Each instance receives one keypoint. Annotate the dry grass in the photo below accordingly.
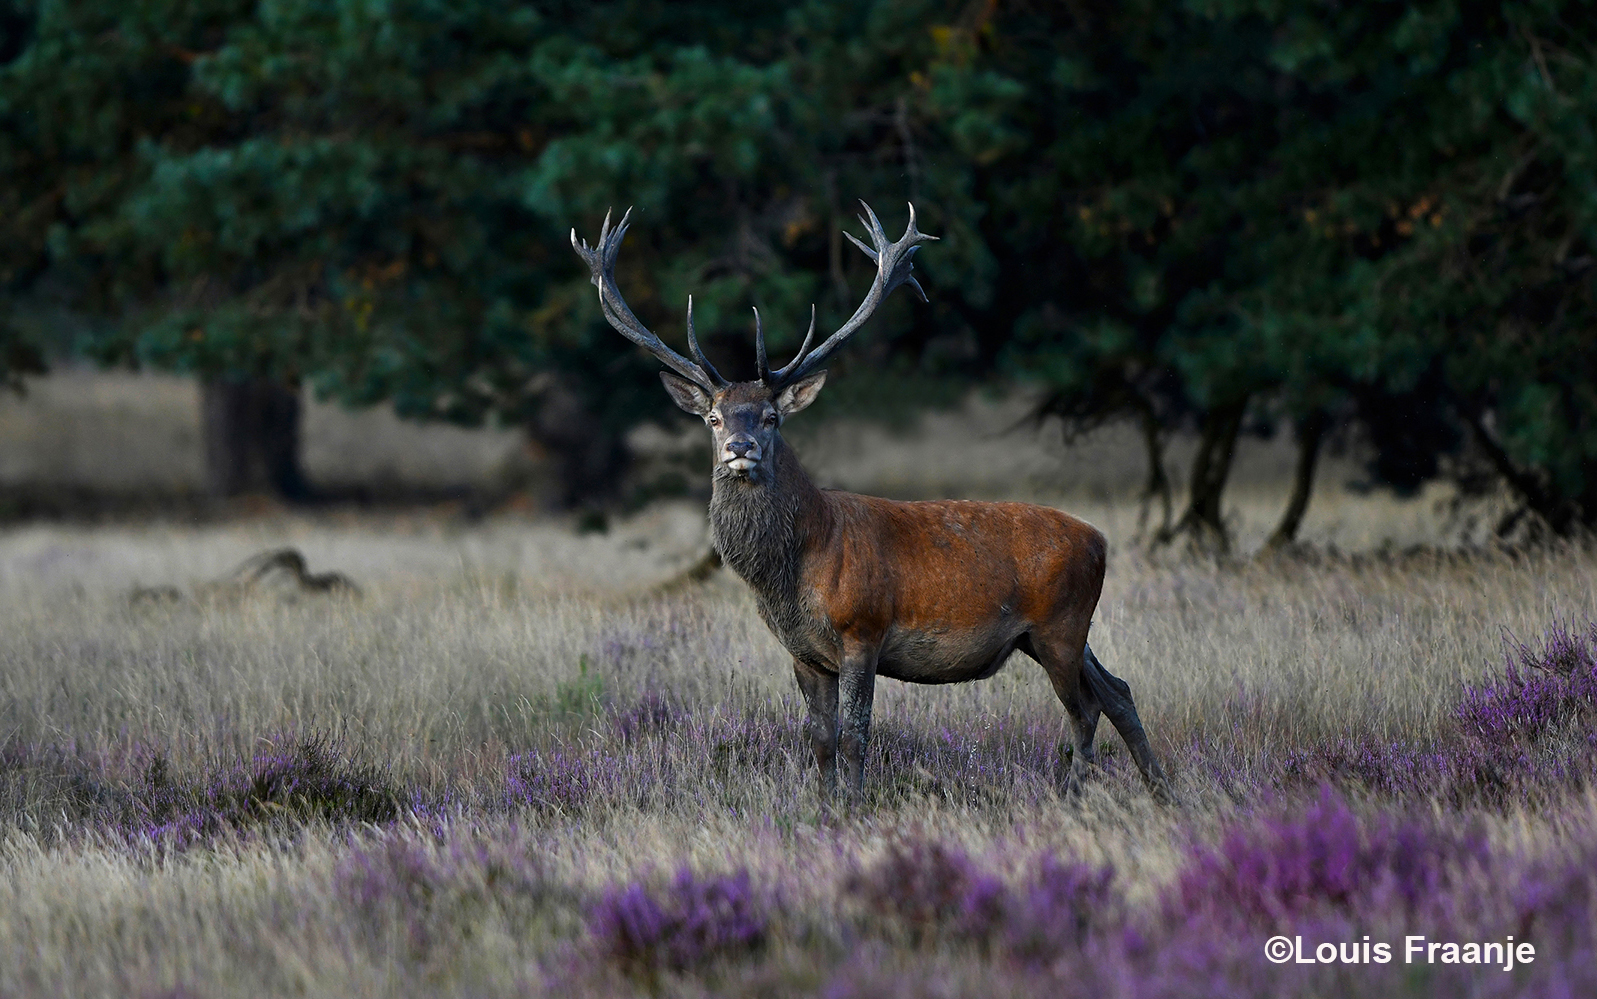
(459, 616)
(474, 645)
(482, 648)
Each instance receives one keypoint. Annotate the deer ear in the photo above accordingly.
(800, 394)
(686, 394)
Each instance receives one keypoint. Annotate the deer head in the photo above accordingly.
(745, 417)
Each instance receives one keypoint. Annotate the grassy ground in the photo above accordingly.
(515, 767)
(511, 769)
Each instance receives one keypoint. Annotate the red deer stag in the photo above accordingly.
(856, 587)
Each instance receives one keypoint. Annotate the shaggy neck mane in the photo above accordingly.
(754, 523)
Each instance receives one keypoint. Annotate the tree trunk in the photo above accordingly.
(252, 438)
(1217, 442)
(1158, 484)
(1559, 514)
(1311, 434)
(590, 462)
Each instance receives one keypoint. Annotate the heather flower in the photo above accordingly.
(651, 714)
(1054, 914)
(398, 869)
(565, 780)
(930, 889)
(432, 888)
(1549, 686)
(923, 887)
(314, 780)
(687, 923)
(308, 780)
(1278, 869)
(1525, 733)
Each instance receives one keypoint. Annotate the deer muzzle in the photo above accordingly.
(741, 456)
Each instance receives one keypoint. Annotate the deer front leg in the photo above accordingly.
(856, 689)
(820, 693)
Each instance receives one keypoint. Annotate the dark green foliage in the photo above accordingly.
(1172, 212)
(1300, 206)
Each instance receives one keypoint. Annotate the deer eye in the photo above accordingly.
(715, 421)
(770, 419)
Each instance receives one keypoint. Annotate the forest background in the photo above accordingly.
(1214, 218)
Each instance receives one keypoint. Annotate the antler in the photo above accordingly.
(601, 262)
(894, 262)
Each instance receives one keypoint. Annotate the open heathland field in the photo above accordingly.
(513, 765)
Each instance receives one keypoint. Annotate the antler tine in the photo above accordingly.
(873, 225)
(783, 375)
(601, 261)
(698, 354)
(894, 263)
(760, 359)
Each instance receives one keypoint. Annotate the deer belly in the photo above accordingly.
(945, 655)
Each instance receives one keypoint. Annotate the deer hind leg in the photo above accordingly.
(820, 693)
(1114, 696)
(1067, 674)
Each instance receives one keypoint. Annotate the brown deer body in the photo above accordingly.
(856, 587)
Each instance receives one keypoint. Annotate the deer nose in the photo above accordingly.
(739, 448)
